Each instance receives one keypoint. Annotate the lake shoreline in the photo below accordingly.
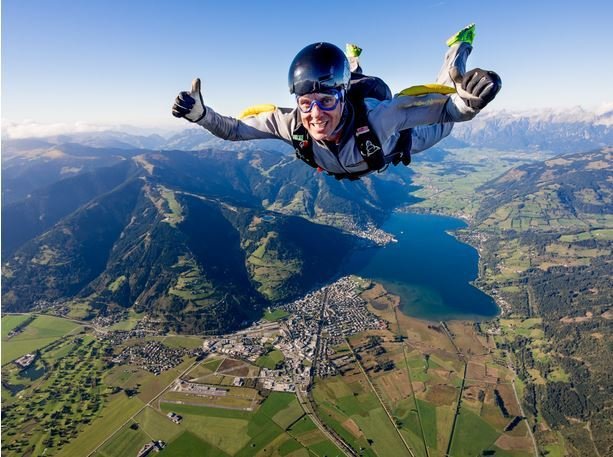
(426, 303)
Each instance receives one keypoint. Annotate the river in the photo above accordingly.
(428, 268)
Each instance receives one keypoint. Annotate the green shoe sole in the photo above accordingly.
(466, 35)
(352, 50)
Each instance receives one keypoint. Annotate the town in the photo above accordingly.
(372, 234)
(314, 325)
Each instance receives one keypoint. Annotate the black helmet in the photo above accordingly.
(318, 67)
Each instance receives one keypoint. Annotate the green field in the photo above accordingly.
(225, 429)
(189, 445)
(305, 424)
(115, 413)
(427, 413)
(472, 435)
(129, 323)
(126, 442)
(325, 449)
(12, 321)
(178, 341)
(275, 314)
(289, 446)
(270, 360)
(42, 331)
(309, 436)
(212, 363)
(378, 435)
(290, 414)
(240, 432)
(270, 270)
(157, 425)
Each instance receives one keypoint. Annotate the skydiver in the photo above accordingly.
(345, 134)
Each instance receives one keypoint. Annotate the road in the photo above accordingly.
(457, 411)
(521, 410)
(307, 405)
(306, 401)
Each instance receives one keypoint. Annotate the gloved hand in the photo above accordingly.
(189, 104)
(481, 85)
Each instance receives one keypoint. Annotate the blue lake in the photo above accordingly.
(429, 269)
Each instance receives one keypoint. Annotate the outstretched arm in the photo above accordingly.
(273, 124)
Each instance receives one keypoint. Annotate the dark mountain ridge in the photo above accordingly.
(200, 239)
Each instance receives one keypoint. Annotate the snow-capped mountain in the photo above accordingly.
(555, 130)
(559, 131)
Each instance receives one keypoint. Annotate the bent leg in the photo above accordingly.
(454, 65)
(455, 60)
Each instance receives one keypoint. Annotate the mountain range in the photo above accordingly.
(202, 234)
(198, 230)
(204, 238)
(559, 131)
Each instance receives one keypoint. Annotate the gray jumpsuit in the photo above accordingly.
(430, 117)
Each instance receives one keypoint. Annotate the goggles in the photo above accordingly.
(326, 101)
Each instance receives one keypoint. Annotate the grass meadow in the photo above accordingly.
(43, 330)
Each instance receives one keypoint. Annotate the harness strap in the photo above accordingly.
(367, 142)
(303, 147)
(402, 150)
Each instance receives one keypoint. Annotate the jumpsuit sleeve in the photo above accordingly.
(404, 112)
(274, 124)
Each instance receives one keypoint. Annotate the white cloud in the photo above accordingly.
(32, 129)
(604, 108)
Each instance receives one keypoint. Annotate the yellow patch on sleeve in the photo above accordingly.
(427, 89)
(257, 109)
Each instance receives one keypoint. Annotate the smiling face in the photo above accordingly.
(320, 122)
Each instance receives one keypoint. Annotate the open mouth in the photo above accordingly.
(319, 124)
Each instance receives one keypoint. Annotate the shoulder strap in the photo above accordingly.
(303, 146)
(366, 140)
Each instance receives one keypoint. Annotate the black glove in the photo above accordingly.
(189, 104)
(482, 85)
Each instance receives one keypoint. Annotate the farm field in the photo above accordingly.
(9, 322)
(417, 388)
(277, 426)
(418, 371)
(349, 406)
(186, 445)
(457, 177)
(130, 322)
(40, 332)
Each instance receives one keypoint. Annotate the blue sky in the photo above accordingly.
(113, 62)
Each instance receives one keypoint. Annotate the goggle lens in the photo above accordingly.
(324, 101)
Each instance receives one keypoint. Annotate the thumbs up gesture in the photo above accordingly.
(189, 104)
(481, 85)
